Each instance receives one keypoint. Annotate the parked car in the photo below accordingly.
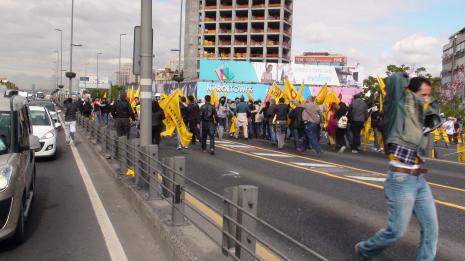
(17, 165)
(44, 127)
(51, 108)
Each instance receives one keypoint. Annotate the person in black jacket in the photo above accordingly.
(297, 125)
(209, 121)
(375, 117)
(194, 119)
(121, 112)
(158, 115)
(105, 108)
(87, 108)
(280, 113)
(340, 130)
(70, 119)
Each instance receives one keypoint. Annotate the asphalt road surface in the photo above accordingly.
(63, 225)
(328, 203)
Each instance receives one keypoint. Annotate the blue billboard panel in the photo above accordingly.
(227, 71)
(236, 90)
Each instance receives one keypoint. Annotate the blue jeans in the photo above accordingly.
(98, 117)
(296, 137)
(272, 130)
(311, 130)
(105, 117)
(406, 195)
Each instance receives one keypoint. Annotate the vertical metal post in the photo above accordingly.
(114, 150)
(153, 167)
(71, 48)
(106, 143)
(180, 39)
(167, 177)
(229, 227)
(123, 154)
(142, 181)
(135, 144)
(177, 210)
(146, 73)
(247, 199)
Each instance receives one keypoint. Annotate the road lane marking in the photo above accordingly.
(314, 165)
(367, 178)
(440, 202)
(115, 249)
(272, 155)
(353, 168)
(236, 146)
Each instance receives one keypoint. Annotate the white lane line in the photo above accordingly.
(367, 178)
(222, 142)
(272, 155)
(314, 165)
(236, 146)
(115, 249)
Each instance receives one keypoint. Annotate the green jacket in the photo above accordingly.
(406, 122)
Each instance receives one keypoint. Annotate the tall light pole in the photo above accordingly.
(58, 65)
(61, 55)
(180, 38)
(97, 74)
(71, 74)
(119, 61)
(146, 73)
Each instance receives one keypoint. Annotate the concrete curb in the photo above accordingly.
(183, 242)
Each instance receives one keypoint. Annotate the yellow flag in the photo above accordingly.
(290, 92)
(170, 127)
(381, 103)
(130, 173)
(382, 86)
(330, 99)
(131, 94)
(300, 98)
(275, 92)
(232, 130)
(172, 110)
(214, 97)
(105, 95)
(321, 97)
(137, 94)
(249, 96)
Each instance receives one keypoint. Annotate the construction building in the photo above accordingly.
(453, 62)
(243, 30)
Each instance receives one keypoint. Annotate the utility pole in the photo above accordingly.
(180, 38)
(97, 74)
(119, 61)
(58, 65)
(71, 51)
(61, 55)
(146, 73)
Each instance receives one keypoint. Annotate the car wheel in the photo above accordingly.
(20, 234)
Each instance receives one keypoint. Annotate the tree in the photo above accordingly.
(391, 69)
(10, 85)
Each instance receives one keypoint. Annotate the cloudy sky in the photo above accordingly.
(372, 33)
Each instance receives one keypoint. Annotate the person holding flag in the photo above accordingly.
(242, 109)
(209, 119)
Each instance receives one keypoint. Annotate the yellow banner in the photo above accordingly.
(300, 98)
(321, 97)
(382, 86)
(232, 130)
(172, 111)
(330, 99)
(249, 96)
(214, 97)
(275, 92)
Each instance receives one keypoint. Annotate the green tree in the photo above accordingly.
(391, 69)
(10, 85)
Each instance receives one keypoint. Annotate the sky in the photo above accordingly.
(371, 33)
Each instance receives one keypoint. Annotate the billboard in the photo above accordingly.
(236, 90)
(90, 82)
(266, 73)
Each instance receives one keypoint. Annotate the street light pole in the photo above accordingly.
(97, 74)
(58, 65)
(146, 73)
(119, 61)
(61, 55)
(71, 49)
(180, 38)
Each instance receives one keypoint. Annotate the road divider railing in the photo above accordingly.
(166, 179)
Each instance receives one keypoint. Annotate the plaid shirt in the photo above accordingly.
(402, 154)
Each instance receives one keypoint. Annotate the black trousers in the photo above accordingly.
(194, 130)
(356, 127)
(122, 127)
(340, 137)
(156, 130)
(208, 129)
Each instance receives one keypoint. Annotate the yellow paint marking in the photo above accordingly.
(447, 161)
(260, 250)
(349, 167)
(444, 203)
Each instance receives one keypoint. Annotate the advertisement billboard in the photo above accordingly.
(267, 73)
(236, 90)
(90, 82)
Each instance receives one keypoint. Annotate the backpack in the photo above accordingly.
(342, 122)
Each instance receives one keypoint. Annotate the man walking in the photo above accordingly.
(280, 113)
(358, 114)
(311, 117)
(122, 111)
(242, 109)
(406, 189)
(193, 119)
(209, 121)
(71, 109)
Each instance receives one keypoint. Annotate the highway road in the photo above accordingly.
(328, 203)
(64, 223)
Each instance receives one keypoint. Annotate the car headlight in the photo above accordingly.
(5, 176)
(48, 135)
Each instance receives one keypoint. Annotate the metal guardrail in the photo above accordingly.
(166, 179)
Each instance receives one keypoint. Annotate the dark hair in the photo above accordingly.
(416, 83)
(241, 99)
(267, 103)
(207, 98)
(191, 98)
(183, 99)
(281, 100)
(156, 106)
(122, 96)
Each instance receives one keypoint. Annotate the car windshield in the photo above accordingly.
(48, 105)
(40, 118)
(5, 132)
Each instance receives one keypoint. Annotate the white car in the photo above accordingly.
(44, 127)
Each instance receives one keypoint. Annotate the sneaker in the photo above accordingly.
(355, 151)
(212, 152)
(343, 148)
(179, 148)
(358, 255)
